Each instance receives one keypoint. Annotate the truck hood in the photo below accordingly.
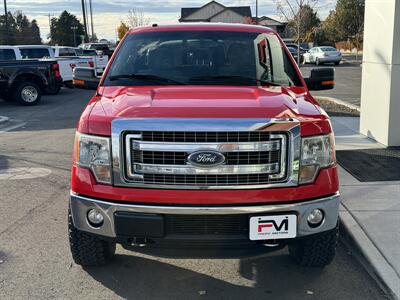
(200, 102)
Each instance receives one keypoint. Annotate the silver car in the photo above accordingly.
(321, 55)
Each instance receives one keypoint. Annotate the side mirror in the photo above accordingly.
(321, 79)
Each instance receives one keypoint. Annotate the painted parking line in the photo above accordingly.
(23, 173)
(11, 125)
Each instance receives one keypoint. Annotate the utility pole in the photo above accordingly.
(256, 12)
(91, 18)
(50, 26)
(6, 20)
(84, 20)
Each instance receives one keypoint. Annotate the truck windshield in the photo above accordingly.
(202, 58)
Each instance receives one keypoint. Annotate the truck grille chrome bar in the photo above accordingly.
(256, 153)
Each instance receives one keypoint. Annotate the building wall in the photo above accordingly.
(206, 12)
(228, 16)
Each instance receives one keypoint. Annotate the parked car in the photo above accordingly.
(101, 48)
(43, 52)
(205, 134)
(294, 53)
(99, 61)
(25, 80)
(321, 55)
(86, 78)
(295, 46)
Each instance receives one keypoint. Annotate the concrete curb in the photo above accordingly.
(3, 120)
(339, 102)
(379, 266)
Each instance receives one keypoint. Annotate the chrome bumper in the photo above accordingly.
(81, 205)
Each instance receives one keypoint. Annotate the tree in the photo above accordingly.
(300, 16)
(136, 17)
(62, 32)
(122, 29)
(20, 30)
(346, 22)
(350, 20)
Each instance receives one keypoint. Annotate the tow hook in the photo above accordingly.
(139, 242)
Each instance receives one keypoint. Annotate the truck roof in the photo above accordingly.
(201, 27)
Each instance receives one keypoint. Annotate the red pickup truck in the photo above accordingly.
(205, 135)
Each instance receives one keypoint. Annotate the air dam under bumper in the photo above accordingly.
(81, 205)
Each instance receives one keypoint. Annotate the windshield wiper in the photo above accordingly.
(234, 77)
(150, 77)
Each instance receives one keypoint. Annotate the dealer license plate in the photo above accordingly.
(273, 227)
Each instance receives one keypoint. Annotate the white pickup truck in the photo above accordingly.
(66, 62)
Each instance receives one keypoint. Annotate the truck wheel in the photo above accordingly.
(87, 249)
(315, 251)
(28, 93)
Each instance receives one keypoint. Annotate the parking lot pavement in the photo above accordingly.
(35, 262)
(348, 82)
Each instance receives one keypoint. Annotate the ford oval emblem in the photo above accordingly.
(206, 158)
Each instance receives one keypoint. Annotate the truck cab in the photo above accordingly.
(205, 135)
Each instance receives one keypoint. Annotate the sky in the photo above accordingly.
(108, 14)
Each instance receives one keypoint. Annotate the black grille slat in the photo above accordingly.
(205, 137)
(207, 224)
(231, 158)
(206, 180)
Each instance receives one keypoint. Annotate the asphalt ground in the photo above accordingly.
(348, 82)
(35, 262)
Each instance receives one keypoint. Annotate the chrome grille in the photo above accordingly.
(161, 158)
(154, 153)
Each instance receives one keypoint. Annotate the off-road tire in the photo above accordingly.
(18, 93)
(87, 249)
(315, 251)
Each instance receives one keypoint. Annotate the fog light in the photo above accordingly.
(315, 218)
(95, 218)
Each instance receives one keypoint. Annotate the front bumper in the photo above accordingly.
(80, 206)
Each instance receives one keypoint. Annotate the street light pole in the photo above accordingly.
(73, 30)
(6, 21)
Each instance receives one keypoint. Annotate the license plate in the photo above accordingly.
(273, 227)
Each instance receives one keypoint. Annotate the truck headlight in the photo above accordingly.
(316, 152)
(93, 152)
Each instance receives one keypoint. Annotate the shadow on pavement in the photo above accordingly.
(3, 162)
(133, 277)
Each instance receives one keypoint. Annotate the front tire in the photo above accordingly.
(87, 249)
(28, 93)
(315, 251)
(337, 63)
(317, 62)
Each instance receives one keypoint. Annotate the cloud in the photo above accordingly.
(107, 14)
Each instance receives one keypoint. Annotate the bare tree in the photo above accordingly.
(136, 17)
(291, 12)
